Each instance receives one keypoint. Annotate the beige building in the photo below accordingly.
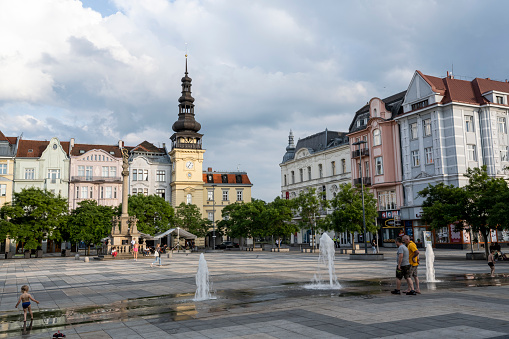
(7, 154)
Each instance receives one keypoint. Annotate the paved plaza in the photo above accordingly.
(258, 295)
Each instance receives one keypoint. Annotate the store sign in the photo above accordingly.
(389, 222)
(455, 236)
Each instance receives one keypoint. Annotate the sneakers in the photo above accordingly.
(412, 292)
(396, 292)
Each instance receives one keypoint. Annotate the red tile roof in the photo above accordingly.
(36, 147)
(148, 147)
(88, 147)
(216, 177)
(10, 140)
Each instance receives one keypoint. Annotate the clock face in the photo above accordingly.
(189, 165)
(189, 175)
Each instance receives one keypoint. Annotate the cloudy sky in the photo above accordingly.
(104, 70)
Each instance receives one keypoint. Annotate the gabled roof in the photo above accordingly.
(10, 140)
(146, 147)
(217, 178)
(35, 148)
(76, 150)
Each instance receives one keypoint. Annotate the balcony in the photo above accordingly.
(185, 145)
(96, 179)
(366, 181)
(363, 152)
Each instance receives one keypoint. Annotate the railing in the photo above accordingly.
(365, 181)
(97, 178)
(363, 152)
(186, 145)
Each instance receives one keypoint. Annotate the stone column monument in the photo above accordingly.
(124, 229)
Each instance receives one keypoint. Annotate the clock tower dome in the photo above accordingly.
(186, 152)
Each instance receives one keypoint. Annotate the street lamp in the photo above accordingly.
(359, 143)
(213, 217)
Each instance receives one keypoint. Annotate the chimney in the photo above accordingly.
(120, 144)
(72, 142)
(447, 73)
(209, 169)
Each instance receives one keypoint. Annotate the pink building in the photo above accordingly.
(95, 173)
(380, 160)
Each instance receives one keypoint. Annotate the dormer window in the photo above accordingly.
(499, 99)
(82, 151)
(112, 153)
(419, 104)
(224, 178)
(209, 178)
(30, 150)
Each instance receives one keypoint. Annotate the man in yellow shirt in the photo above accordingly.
(413, 258)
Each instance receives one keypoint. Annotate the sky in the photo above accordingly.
(101, 71)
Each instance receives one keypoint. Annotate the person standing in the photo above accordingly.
(413, 254)
(24, 299)
(491, 262)
(135, 251)
(373, 245)
(403, 268)
(157, 255)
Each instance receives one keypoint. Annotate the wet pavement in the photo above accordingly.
(260, 295)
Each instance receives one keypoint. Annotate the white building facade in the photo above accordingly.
(320, 161)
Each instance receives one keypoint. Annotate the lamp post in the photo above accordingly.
(359, 143)
(213, 217)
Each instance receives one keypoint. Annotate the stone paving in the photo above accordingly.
(259, 295)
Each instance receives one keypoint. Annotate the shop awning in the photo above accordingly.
(175, 232)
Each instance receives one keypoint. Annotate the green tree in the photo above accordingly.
(32, 216)
(90, 223)
(189, 218)
(478, 204)
(155, 215)
(346, 215)
(309, 206)
(279, 216)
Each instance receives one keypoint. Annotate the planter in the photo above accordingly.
(38, 254)
(66, 253)
(27, 254)
(8, 255)
(367, 257)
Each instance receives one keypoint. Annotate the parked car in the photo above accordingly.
(227, 244)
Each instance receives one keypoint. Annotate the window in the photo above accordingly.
(161, 192)
(84, 192)
(366, 168)
(500, 99)
(426, 125)
(416, 161)
(145, 175)
(161, 175)
(135, 191)
(189, 199)
(29, 173)
(91, 190)
(387, 200)
(53, 174)
(102, 193)
(502, 127)
(135, 174)
(210, 195)
(471, 153)
(285, 179)
(240, 195)
(114, 193)
(379, 165)
(301, 175)
(3, 190)
(225, 195)
(320, 170)
(343, 166)
(211, 215)
(106, 171)
(419, 104)
(81, 171)
(309, 173)
(377, 139)
(77, 192)
(504, 153)
(145, 191)
(108, 194)
(293, 177)
(3, 168)
(324, 193)
(89, 172)
(113, 171)
(333, 167)
(413, 131)
(428, 153)
(469, 123)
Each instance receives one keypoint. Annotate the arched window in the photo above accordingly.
(377, 139)
(189, 199)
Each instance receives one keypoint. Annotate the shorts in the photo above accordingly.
(413, 271)
(25, 304)
(490, 264)
(403, 273)
(135, 249)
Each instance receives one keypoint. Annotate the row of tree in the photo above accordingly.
(36, 214)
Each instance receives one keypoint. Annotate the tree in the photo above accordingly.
(309, 206)
(247, 220)
(155, 215)
(189, 218)
(90, 223)
(478, 205)
(279, 215)
(346, 215)
(32, 216)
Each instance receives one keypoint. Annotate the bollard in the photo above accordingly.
(86, 259)
(77, 256)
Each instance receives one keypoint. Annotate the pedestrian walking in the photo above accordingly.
(135, 251)
(157, 255)
(413, 255)
(402, 268)
(373, 245)
(25, 298)
(491, 262)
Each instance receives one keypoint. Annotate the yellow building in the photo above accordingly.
(8, 147)
(208, 190)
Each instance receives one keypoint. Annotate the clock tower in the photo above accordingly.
(186, 152)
